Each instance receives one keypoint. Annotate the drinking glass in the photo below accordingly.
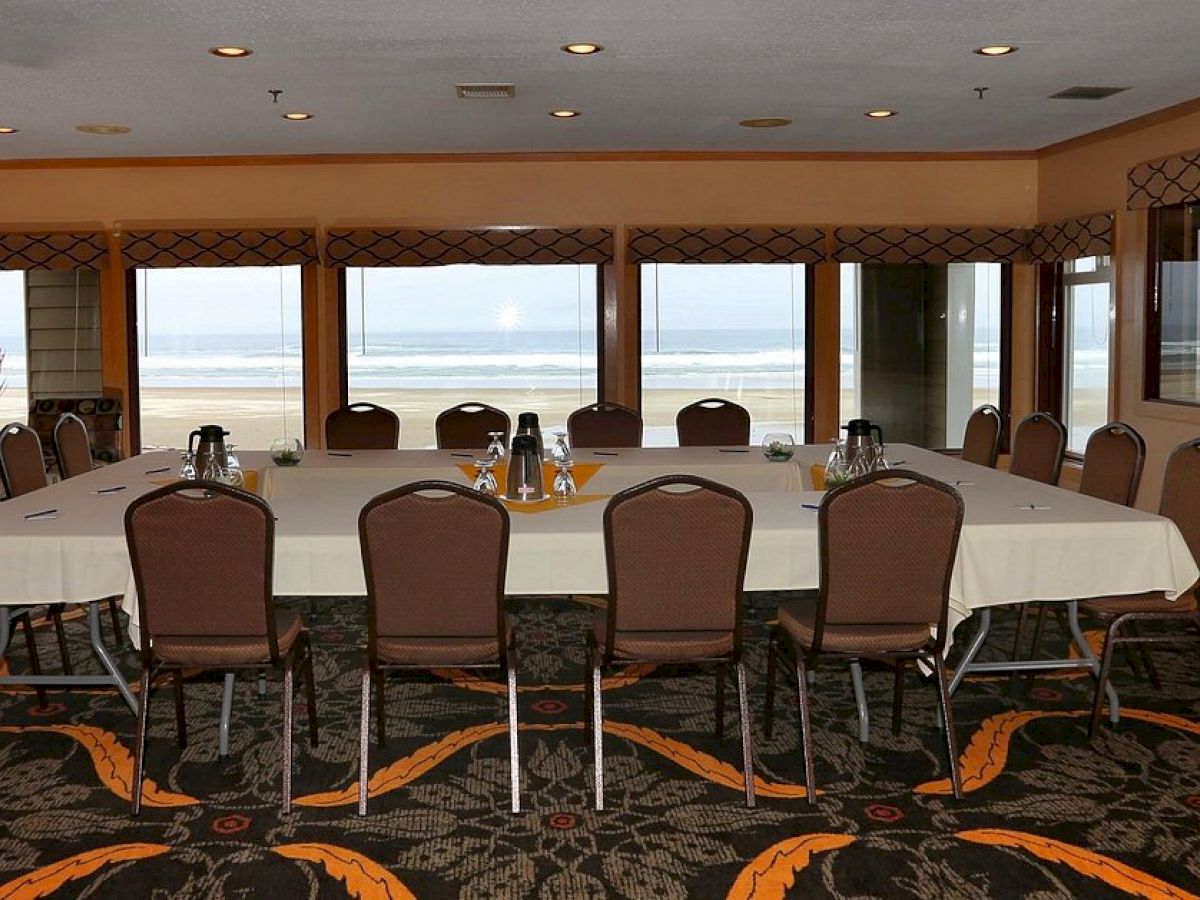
(485, 479)
(561, 452)
(778, 447)
(564, 482)
(495, 445)
(286, 451)
(231, 457)
(187, 468)
(835, 468)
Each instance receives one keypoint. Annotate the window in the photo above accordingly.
(1087, 319)
(219, 345)
(518, 337)
(14, 389)
(1173, 320)
(735, 331)
(921, 347)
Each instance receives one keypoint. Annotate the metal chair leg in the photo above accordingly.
(1143, 651)
(1110, 641)
(769, 706)
(514, 750)
(55, 613)
(898, 696)
(114, 612)
(943, 685)
(289, 677)
(35, 663)
(810, 781)
(381, 712)
(597, 729)
(739, 672)
(860, 701)
(180, 719)
(310, 692)
(364, 739)
(1022, 616)
(139, 747)
(720, 700)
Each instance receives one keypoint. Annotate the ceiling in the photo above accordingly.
(379, 75)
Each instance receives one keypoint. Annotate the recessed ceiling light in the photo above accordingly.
(4, 129)
(565, 113)
(103, 129)
(996, 50)
(297, 116)
(879, 113)
(766, 122)
(231, 52)
(582, 48)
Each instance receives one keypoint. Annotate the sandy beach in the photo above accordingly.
(254, 418)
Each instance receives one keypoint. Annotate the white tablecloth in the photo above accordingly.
(1078, 547)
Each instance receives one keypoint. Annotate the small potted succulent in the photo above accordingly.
(286, 452)
(779, 447)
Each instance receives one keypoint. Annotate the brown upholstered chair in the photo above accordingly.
(435, 555)
(894, 530)
(605, 425)
(22, 470)
(676, 550)
(362, 426)
(1112, 471)
(466, 426)
(203, 556)
(72, 448)
(1038, 446)
(713, 423)
(1181, 504)
(981, 440)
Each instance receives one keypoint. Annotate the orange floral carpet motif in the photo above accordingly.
(1045, 813)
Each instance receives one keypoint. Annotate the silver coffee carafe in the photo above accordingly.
(208, 442)
(524, 470)
(864, 446)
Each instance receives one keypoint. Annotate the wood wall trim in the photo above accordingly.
(617, 156)
(1158, 117)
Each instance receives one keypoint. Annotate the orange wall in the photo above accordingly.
(1091, 178)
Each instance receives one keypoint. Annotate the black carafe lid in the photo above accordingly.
(524, 443)
(212, 434)
(527, 420)
(859, 427)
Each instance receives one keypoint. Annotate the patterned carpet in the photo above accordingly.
(1045, 814)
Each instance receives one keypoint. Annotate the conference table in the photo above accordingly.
(1021, 541)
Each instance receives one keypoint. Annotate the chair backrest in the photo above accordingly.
(1181, 492)
(1038, 446)
(435, 556)
(605, 425)
(888, 542)
(22, 466)
(362, 426)
(713, 423)
(676, 550)
(981, 441)
(71, 446)
(466, 426)
(203, 556)
(1112, 464)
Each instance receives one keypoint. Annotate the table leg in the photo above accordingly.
(981, 632)
(1114, 703)
(5, 633)
(226, 715)
(93, 614)
(860, 700)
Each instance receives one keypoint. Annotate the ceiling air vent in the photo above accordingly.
(1082, 92)
(485, 91)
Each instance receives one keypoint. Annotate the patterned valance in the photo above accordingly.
(171, 249)
(1165, 182)
(727, 245)
(933, 245)
(1071, 239)
(75, 250)
(493, 246)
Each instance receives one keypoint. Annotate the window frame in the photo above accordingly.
(603, 274)
(1152, 344)
(133, 403)
(810, 304)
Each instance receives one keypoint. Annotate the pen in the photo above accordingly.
(732, 450)
(463, 455)
(44, 512)
(335, 453)
(110, 490)
(604, 453)
(809, 506)
(158, 470)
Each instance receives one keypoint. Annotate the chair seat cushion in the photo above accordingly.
(213, 652)
(437, 651)
(662, 645)
(1152, 602)
(798, 618)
